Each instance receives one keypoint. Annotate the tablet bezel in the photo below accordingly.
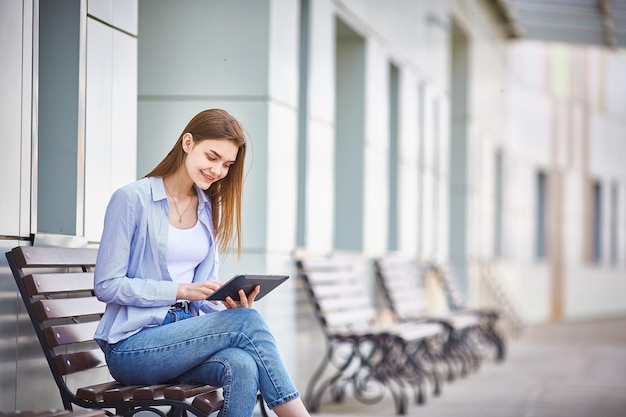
(247, 282)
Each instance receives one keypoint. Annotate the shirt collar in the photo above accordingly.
(158, 191)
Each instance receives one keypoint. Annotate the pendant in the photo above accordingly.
(180, 219)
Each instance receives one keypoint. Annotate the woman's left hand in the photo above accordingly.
(244, 302)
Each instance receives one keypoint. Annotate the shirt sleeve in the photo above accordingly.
(111, 283)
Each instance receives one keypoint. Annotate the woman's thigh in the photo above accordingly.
(162, 353)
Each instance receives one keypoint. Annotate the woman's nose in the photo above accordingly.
(215, 170)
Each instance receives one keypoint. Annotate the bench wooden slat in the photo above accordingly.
(345, 319)
(69, 363)
(208, 402)
(120, 393)
(332, 277)
(315, 264)
(58, 282)
(68, 307)
(184, 391)
(65, 334)
(339, 290)
(149, 392)
(361, 307)
(94, 393)
(42, 256)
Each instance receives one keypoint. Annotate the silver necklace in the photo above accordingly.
(180, 215)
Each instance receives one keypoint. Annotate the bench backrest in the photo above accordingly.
(56, 285)
(402, 283)
(448, 280)
(339, 296)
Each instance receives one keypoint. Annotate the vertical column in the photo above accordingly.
(61, 116)
(16, 55)
(350, 139)
(320, 127)
(459, 154)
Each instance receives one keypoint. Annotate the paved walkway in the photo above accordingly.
(575, 369)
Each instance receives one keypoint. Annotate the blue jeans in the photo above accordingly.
(233, 349)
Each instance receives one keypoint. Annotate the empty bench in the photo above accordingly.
(362, 357)
(56, 285)
(490, 317)
(401, 281)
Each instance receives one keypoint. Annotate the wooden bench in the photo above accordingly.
(489, 316)
(363, 357)
(401, 280)
(56, 285)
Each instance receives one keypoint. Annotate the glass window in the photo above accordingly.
(542, 189)
(392, 244)
(597, 222)
(497, 218)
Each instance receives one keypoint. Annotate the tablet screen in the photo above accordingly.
(247, 283)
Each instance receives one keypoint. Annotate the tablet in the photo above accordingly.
(247, 283)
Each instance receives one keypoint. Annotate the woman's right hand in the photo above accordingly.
(198, 290)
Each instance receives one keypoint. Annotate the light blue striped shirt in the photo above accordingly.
(131, 273)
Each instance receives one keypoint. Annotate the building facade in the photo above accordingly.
(404, 126)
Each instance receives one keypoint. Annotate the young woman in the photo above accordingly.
(158, 262)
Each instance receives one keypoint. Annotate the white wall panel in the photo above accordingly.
(121, 14)
(408, 165)
(15, 88)
(376, 162)
(320, 186)
(99, 81)
(414, 31)
(607, 146)
(616, 93)
(281, 178)
(322, 62)
(534, 292)
(444, 180)
(528, 64)
(592, 291)
(125, 15)
(124, 110)
(283, 55)
(111, 119)
(101, 9)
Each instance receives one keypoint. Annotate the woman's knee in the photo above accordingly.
(239, 363)
(248, 321)
(242, 374)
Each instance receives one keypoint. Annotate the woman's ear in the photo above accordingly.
(187, 142)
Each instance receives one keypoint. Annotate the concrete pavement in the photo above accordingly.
(571, 369)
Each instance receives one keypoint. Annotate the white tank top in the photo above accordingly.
(186, 248)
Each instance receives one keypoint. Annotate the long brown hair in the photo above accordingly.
(226, 194)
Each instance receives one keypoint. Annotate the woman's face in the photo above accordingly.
(208, 160)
